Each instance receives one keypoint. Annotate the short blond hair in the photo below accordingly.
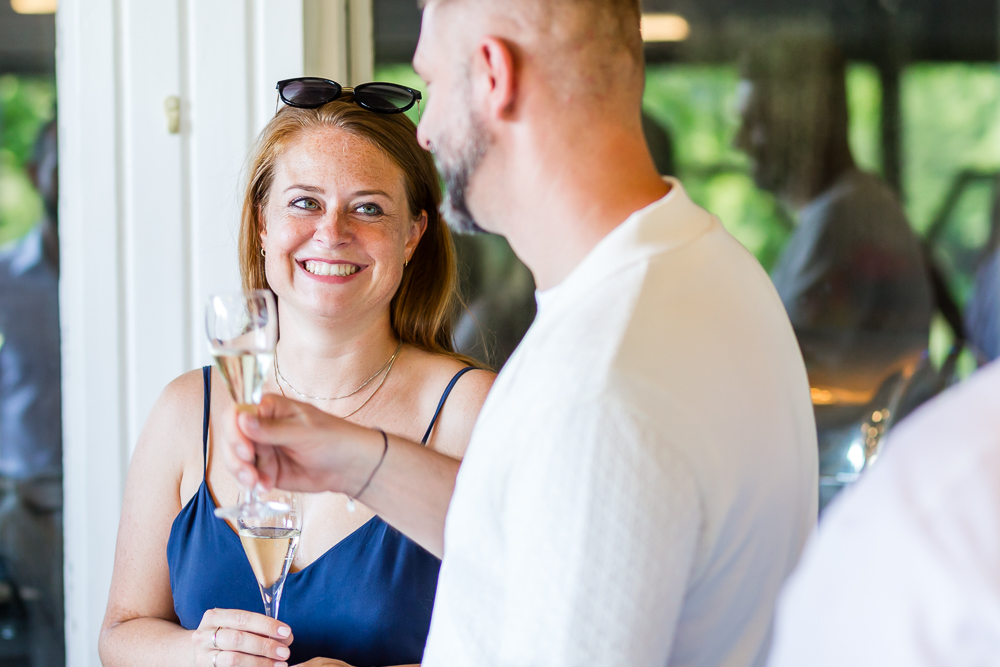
(579, 38)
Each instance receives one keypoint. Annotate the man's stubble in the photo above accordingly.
(457, 160)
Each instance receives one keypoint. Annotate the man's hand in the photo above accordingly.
(291, 445)
(294, 446)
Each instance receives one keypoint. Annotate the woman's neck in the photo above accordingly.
(326, 359)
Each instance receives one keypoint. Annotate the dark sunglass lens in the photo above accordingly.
(384, 97)
(309, 93)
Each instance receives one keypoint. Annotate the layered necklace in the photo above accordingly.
(383, 371)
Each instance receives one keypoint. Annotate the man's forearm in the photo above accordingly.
(410, 490)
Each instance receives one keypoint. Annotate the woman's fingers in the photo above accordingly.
(237, 641)
(236, 638)
(248, 621)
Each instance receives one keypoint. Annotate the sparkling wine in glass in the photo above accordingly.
(269, 540)
(242, 330)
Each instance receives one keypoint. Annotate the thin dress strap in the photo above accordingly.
(206, 373)
(444, 397)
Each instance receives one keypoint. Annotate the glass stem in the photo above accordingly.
(272, 598)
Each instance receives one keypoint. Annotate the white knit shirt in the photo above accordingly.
(643, 474)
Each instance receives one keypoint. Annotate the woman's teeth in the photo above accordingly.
(327, 269)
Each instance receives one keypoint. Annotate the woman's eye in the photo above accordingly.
(307, 204)
(369, 209)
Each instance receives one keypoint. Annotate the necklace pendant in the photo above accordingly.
(350, 505)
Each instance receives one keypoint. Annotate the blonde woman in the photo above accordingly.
(340, 220)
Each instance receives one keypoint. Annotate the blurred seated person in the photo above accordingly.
(982, 314)
(498, 288)
(340, 221)
(852, 276)
(31, 413)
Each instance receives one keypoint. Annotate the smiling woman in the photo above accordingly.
(422, 307)
(340, 221)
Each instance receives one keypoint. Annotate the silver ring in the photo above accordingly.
(214, 656)
(214, 635)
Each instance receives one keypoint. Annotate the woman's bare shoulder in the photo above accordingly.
(458, 416)
(438, 370)
(172, 433)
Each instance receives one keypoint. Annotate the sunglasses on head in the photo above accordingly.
(311, 92)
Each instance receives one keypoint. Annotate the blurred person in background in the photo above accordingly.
(852, 276)
(31, 413)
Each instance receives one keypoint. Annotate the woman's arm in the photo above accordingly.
(140, 627)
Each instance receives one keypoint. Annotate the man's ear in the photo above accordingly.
(495, 63)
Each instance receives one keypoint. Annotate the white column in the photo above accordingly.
(149, 217)
(91, 298)
(339, 40)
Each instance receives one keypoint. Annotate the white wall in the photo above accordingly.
(148, 219)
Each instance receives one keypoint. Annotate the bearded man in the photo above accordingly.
(642, 476)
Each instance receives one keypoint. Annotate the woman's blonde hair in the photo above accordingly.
(422, 308)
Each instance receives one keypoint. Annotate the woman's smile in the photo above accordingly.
(330, 272)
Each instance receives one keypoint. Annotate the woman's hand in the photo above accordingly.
(236, 638)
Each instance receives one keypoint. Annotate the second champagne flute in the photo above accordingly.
(269, 541)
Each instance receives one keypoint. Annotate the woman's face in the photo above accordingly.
(337, 227)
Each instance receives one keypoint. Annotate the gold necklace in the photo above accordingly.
(363, 404)
(277, 374)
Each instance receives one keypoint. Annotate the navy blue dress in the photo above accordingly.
(366, 601)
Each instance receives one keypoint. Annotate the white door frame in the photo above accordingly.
(148, 219)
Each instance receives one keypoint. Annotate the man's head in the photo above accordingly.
(493, 68)
(793, 105)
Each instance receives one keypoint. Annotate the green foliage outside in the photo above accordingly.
(951, 127)
(26, 104)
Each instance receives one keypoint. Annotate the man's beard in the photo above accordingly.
(456, 165)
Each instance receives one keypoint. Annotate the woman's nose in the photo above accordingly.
(334, 229)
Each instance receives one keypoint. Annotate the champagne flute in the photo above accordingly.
(242, 330)
(269, 540)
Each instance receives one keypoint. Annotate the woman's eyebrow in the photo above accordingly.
(366, 193)
(307, 188)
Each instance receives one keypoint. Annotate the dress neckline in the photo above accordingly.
(233, 537)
